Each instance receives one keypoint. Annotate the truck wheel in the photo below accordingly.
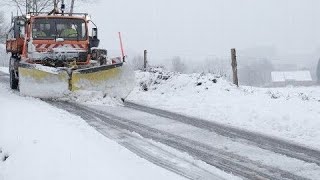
(14, 83)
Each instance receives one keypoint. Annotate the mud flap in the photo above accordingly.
(42, 81)
(114, 80)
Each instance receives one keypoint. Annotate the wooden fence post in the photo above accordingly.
(145, 60)
(234, 67)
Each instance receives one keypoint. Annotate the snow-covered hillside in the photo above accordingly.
(290, 113)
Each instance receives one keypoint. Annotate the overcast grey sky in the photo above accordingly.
(210, 27)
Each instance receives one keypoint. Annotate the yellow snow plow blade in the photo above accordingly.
(116, 80)
(41, 81)
(93, 78)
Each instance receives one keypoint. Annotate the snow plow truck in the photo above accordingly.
(53, 54)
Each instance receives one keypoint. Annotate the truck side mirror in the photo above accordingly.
(95, 33)
(94, 41)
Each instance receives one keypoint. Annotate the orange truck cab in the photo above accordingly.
(52, 40)
(55, 40)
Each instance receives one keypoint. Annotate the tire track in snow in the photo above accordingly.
(265, 142)
(146, 149)
(225, 161)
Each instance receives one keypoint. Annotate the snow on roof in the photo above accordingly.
(282, 76)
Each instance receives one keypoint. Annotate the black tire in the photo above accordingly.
(14, 83)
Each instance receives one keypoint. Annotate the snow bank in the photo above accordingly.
(289, 113)
(92, 98)
(40, 142)
(4, 70)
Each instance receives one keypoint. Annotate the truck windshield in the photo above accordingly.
(51, 28)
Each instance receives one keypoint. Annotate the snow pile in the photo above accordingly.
(171, 82)
(302, 93)
(38, 141)
(92, 98)
(290, 113)
(4, 70)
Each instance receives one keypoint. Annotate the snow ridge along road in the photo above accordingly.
(265, 142)
(226, 161)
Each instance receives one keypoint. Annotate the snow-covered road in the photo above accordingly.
(231, 155)
(265, 142)
(143, 141)
(44, 142)
(183, 145)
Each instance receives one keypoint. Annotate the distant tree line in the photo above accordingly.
(39, 5)
(255, 73)
(31, 6)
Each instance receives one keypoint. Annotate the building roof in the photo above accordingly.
(284, 76)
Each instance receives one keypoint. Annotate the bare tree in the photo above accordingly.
(216, 66)
(30, 5)
(40, 5)
(256, 73)
(178, 65)
(137, 62)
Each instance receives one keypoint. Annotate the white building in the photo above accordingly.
(296, 78)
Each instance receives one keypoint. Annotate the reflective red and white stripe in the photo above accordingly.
(50, 46)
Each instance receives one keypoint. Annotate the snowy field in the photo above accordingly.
(38, 141)
(290, 113)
